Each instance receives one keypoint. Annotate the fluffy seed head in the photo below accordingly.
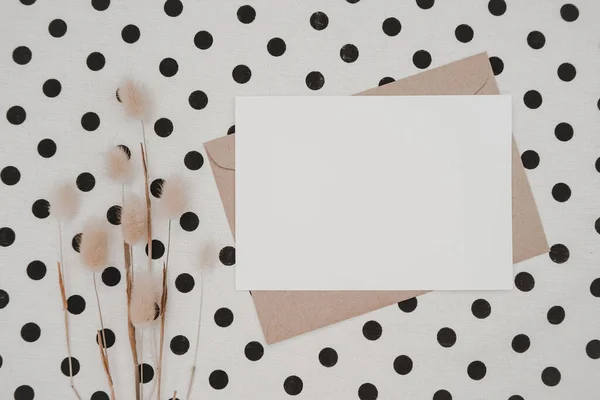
(134, 99)
(174, 197)
(94, 245)
(119, 164)
(145, 300)
(64, 202)
(133, 219)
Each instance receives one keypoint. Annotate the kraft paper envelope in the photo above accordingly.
(285, 314)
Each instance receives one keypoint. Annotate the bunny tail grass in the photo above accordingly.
(174, 197)
(145, 300)
(94, 245)
(133, 219)
(63, 296)
(64, 202)
(119, 165)
(135, 100)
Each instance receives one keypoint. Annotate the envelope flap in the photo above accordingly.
(465, 77)
(222, 151)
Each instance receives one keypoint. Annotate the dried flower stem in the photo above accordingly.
(163, 308)
(148, 205)
(63, 295)
(189, 393)
(174, 395)
(103, 348)
(130, 327)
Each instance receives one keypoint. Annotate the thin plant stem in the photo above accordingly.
(189, 393)
(142, 365)
(163, 308)
(174, 395)
(105, 349)
(148, 206)
(130, 327)
(168, 243)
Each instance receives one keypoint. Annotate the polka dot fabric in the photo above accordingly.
(62, 62)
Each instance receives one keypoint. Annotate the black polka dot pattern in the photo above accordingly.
(218, 379)
(368, 391)
(319, 20)
(184, 283)
(223, 317)
(328, 357)
(477, 370)
(403, 365)
(293, 385)
(481, 308)
(158, 249)
(111, 276)
(106, 337)
(254, 351)
(227, 255)
(179, 345)
(372, 330)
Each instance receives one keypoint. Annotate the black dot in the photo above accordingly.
(227, 255)
(163, 127)
(551, 376)
(592, 349)
(425, 4)
(168, 67)
(530, 159)
(391, 26)
(173, 8)
(372, 330)
(520, 343)
(597, 164)
(241, 74)
(189, 221)
(10, 175)
(198, 99)
(536, 40)
(100, 5)
(385, 80)
(75, 304)
(497, 7)
(108, 336)
(1, 361)
(594, 287)
(41, 208)
(99, 395)
(130, 34)
(193, 160)
(515, 397)
(27, 2)
(367, 391)
(349, 53)
(111, 276)
(276, 47)
(556, 315)
(223, 317)
(57, 28)
(497, 65)
(352, 1)
(203, 40)
(4, 299)
(446, 337)
(184, 283)
(7, 236)
(90, 121)
(21, 55)
(293, 385)
(36, 270)
(315, 80)
(561, 192)
(597, 225)
(408, 305)
(422, 59)
(218, 379)
(319, 20)
(158, 249)
(246, 14)
(563, 132)
(524, 281)
(231, 130)
(51, 88)
(476, 370)
(24, 392)
(85, 182)
(180, 345)
(442, 395)
(463, 33)
(566, 72)
(30, 332)
(113, 215)
(481, 308)
(254, 351)
(403, 365)
(569, 12)
(95, 61)
(46, 148)
(156, 187)
(147, 371)
(532, 99)
(328, 357)
(76, 242)
(16, 115)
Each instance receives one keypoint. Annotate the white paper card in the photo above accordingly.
(373, 193)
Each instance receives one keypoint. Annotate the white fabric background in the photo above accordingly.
(571, 223)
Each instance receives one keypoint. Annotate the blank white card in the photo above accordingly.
(373, 193)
